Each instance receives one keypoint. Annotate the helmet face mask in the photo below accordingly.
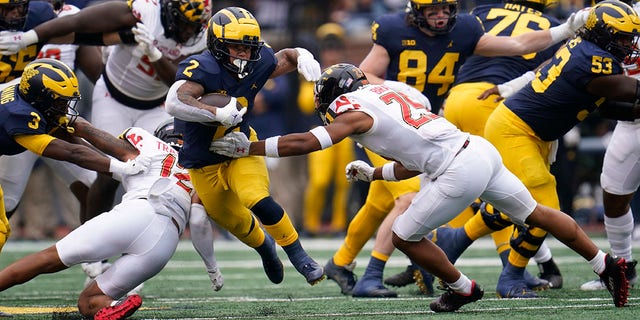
(335, 81)
(236, 29)
(51, 87)
(615, 27)
(13, 14)
(416, 15)
(166, 132)
(184, 20)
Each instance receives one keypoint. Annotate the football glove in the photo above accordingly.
(307, 65)
(145, 40)
(229, 115)
(217, 281)
(13, 41)
(359, 170)
(234, 145)
(131, 167)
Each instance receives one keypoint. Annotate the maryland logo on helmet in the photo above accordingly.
(193, 11)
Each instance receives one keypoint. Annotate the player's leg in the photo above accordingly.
(248, 179)
(620, 179)
(362, 227)
(224, 207)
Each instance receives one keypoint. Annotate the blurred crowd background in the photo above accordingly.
(313, 189)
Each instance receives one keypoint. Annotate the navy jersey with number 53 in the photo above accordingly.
(429, 64)
(204, 69)
(557, 99)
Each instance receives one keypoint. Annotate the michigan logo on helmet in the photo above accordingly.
(416, 17)
(51, 87)
(184, 20)
(334, 81)
(540, 5)
(234, 26)
(10, 21)
(167, 133)
(615, 27)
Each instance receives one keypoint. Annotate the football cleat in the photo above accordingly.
(424, 281)
(343, 276)
(311, 270)
(615, 279)
(451, 301)
(122, 309)
(597, 284)
(217, 280)
(533, 282)
(549, 271)
(401, 279)
(511, 284)
(370, 287)
(271, 262)
(93, 269)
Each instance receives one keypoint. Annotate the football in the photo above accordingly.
(216, 100)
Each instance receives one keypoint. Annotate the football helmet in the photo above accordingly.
(166, 132)
(234, 26)
(51, 87)
(615, 27)
(13, 14)
(415, 14)
(184, 20)
(540, 5)
(334, 81)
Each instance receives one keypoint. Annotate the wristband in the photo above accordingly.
(388, 172)
(30, 37)
(271, 147)
(115, 166)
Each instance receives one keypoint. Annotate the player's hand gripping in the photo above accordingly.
(234, 144)
(130, 167)
(229, 115)
(359, 170)
(145, 40)
(13, 41)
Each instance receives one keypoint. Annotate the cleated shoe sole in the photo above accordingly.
(122, 309)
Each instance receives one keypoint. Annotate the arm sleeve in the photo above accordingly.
(183, 111)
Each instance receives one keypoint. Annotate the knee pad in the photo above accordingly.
(493, 218)
(268, 211)
(526, 242)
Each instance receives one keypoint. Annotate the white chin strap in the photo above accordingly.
(241, 64)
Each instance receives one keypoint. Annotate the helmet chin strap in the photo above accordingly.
(241, 64)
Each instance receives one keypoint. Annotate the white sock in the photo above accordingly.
(619, 232)
(543, 254)
(462, 285)
(597, 263)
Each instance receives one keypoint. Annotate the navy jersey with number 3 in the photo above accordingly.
(429, 64)
(17, 117)
(557, 99)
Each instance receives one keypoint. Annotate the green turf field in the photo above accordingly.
(182, 290)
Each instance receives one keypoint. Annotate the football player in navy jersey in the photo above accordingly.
(583, 77)
(32, 114)
(425, 47)
(467, 112)
(237, 63)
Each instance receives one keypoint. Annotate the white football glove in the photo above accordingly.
(577, 19)
(234, 144)
(229, 115)
(145, 40)
(510, 87)
(13, 41)
(131, 167)
(217, 281)
(307, 65)
(359, 170)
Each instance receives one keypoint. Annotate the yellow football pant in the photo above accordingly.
(527, 156)
(5, 228)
